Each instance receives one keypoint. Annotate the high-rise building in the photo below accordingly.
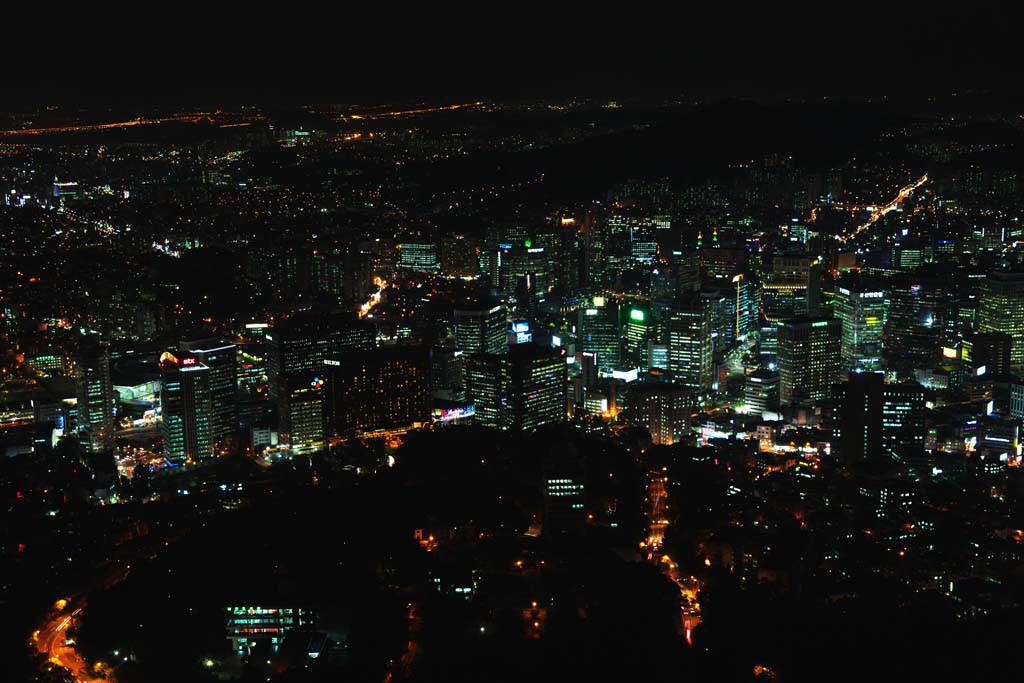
(186, 408)
(690, 344)
(761, 391)
(537, 387)
(481, 327)
(808, 358)
(1001, 309)
(857, 417)
(298, 345)
(861, 309)
(918, 307)
(903, 426)
(598, 332)
(301, 411)
(222, 359)
(486, 377)
(662, 408)
(386, 388)
(95, 398)
(564, 490)
(992, 351)
(420, 257)
(871, 418)
(639, 331)
(790, 287)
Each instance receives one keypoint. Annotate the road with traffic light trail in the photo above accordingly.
(904, 192)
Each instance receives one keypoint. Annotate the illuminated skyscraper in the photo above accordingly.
(914, 323)
(871, 418)
(222, 359)
(95, 398)
(386, 388)
(186, 408)
(808, 358)
(663, 409)
(420, 257)
(861, 310)
(639, 332)
(761, 392)
(537, 388)
(790, 287)
(1001, 309)
(486, 377)
(481, 327)
(690, 344)
(301, 411)
(598, 332)
(298, 345)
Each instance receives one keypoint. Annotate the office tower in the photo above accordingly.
(664, 289)
(301, 411)
(564, 490)
(486, 378)
(446, 373)
(481, 327)
(903, 427)
(871, 418)
(598, 332)
(537, 386)
(860, 308)
(1001, 309)
(329, 274)
(790, 287)
(222, 359)
(662, 408)
(761, 391)
(298, 345)
(639, 330)
(186, 407)
(657, 356)
(993, 352)
(857, 417)
(688, 272)
(808, 358)
(720, 262)
(419, 257)
(744, 307)
(690, 344)
(459, 256)
(914, 323)
(525, 270)
(1017, 401)
(95, 398)
(386, 388)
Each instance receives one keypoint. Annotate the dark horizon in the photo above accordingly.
(794, 52)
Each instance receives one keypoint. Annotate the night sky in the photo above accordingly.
(291, 53)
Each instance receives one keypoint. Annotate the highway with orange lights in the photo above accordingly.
(904, 192)
(52, 640)
(90, 127)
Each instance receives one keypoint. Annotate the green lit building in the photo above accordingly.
(639, 331)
